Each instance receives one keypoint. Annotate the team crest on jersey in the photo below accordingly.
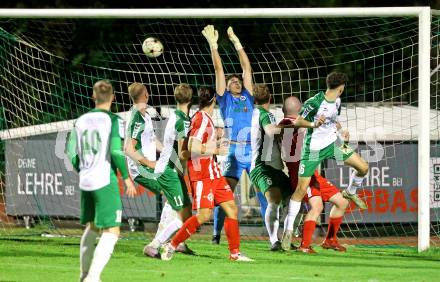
(210, 197)
(243, 98)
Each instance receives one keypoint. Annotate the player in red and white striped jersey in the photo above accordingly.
(209, 187)
(320, 190)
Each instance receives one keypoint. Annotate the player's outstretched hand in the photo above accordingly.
(211, 36)
(234, 39)
(130, 189)
(320, 121)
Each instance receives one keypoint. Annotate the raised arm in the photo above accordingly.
(211, 36)
(244, 60)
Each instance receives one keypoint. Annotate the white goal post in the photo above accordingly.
(424, 31)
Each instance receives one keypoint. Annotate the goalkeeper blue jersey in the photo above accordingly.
(237, 115)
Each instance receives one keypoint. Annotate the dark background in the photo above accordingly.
(211, 4)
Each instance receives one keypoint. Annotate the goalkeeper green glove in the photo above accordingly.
(211, 36)
(234, 39)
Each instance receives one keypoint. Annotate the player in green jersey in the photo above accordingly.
(95, 150)
(165, 175)
(320, 116)
(267, 166)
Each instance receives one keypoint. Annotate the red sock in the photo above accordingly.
(233, 234)
(333, 227)
(309, 228)
(189, 228)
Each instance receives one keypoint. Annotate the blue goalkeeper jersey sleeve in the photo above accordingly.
(237, 115)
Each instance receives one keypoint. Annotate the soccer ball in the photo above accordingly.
(152, 47)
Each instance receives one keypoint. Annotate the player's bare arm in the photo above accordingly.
(211, 36)
(130, 151)
(244, 60)
(301, 122)
(196, 147)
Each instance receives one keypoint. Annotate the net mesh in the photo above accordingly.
(48, 68)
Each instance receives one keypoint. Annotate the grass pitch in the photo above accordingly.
(33, 258)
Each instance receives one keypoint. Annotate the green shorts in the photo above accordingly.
(169, 183)
(102, 207)
(311, 159)
(265, 177)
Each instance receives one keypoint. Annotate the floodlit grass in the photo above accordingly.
(33, 258)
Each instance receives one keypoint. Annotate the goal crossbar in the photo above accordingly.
(422, 13)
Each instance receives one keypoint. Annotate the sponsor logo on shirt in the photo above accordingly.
(307, 111)
(137, 127)
(186, 126)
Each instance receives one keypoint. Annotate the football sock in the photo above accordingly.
(189, 227)
(167, 215)
(233, 235)
(293, 211)
(272, 221)
(219, 220)
(102, 255)
(263, 204)
(169, 230)
(86, 249)
(309, 228)
(333, 227)
(355, 183)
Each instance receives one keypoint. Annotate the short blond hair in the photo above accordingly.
(261, 94)
(183, 93)
(136, 90)
(103, 91)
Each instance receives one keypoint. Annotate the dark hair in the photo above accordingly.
(261, 93)
(183, 93)
(231, 76)
(206, 96)
(136, 90)
(102, 91)
(336, 79)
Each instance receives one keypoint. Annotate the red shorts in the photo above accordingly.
(320, 186)
(207, 193)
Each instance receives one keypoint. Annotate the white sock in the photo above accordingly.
(355, 183)
(86, 249)
(272, 220)
(169, 231)
(293, 211)
(102, 255)
(167, 215)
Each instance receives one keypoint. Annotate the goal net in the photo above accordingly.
(48, 67)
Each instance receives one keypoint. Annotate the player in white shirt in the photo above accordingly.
(320, 116)
(95, 150)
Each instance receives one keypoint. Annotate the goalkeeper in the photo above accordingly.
(235, 99)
